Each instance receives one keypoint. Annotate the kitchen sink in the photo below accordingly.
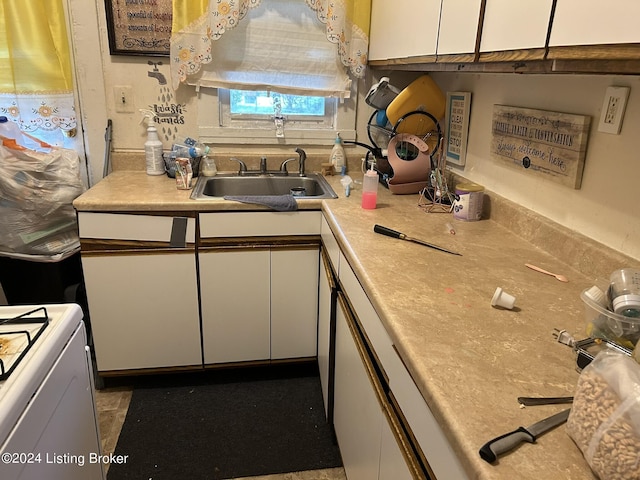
(311, 185)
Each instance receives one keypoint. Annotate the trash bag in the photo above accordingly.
(37, 189)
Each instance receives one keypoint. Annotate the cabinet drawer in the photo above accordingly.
(255, 224)
(330, 245)
(435, 446)
(366, 314)
(117, 226)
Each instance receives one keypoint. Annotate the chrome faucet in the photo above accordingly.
(243, 166)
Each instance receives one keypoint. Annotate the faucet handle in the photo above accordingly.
(243, 166)
(283, 165)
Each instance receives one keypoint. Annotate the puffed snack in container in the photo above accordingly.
(605, 417)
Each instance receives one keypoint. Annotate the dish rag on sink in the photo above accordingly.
(280, 203)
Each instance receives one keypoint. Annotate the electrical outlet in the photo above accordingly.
(615, 102)
(123, 99)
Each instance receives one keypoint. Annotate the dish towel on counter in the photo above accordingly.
(280, 203)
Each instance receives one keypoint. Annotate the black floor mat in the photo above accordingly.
(225, 424)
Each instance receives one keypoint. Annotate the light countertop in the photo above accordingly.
(470, 360)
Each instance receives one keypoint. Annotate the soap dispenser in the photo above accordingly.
(153, 145)
(338, 157)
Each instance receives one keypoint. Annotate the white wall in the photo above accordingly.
(605, 208)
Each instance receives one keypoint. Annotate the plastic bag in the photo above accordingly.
(605, 417)
(36, 194)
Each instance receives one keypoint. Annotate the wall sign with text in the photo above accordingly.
(539, 142)
(139, 27)
(457, 125)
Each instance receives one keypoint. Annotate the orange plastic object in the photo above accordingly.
(422, 94)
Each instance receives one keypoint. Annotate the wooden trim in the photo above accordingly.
(549, 26)
(149, 371)
(99, 247)
(147, 213)
(601, 67)
(199, 367)
(513, 55)
(611, 52)
(298, 242)
(476, 52)
(457, 58)
(259, 363)
(403, 61)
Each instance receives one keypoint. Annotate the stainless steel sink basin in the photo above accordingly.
(314, 185)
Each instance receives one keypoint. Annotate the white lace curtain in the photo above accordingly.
(291, 46)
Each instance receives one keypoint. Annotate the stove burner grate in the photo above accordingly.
(31, 336)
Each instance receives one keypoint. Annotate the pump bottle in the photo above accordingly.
(338, 157)
(153, 145)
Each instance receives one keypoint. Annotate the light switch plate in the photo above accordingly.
(123, 99)
(615, 102)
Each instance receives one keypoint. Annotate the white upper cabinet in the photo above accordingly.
(591, 22)
(458, 26)
(515, 25)
(403, 28)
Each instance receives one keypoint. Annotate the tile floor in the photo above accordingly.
(112, 404)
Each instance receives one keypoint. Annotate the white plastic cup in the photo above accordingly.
(502, 299)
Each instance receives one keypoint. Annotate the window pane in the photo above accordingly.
(246, 102)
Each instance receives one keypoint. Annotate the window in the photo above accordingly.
(247, 117)
(251, 109)
(245, 102)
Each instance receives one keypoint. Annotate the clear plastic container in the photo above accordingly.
(624, 292)
(603, 323)
(370, 190)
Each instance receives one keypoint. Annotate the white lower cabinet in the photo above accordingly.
(326, 312)
(294, 303)
(357, 414)
(258, 304)
(393, 466)
(368, 446)
(143, 310)
(234, 295)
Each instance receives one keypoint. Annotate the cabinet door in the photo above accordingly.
(144, 310)
(357, 414)
(234, 295)
(510, 25)
(392, 463)
(458, 26)
(591, 22)
(294, 303)
(326, 318)
(403, 28)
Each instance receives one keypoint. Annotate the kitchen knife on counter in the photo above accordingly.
(491, 450)
(392, 233)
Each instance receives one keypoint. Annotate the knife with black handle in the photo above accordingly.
(491, 450)
(395, 234)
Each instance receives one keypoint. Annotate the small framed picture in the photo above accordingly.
(135, 27)
(457, 126)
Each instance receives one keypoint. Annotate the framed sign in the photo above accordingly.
(541, 143)
(139, 27)
(457, 125)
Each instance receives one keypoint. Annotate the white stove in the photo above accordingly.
(48, 425)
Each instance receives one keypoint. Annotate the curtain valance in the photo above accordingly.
(280, 40)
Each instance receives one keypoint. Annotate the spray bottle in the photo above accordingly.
(153, 145)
